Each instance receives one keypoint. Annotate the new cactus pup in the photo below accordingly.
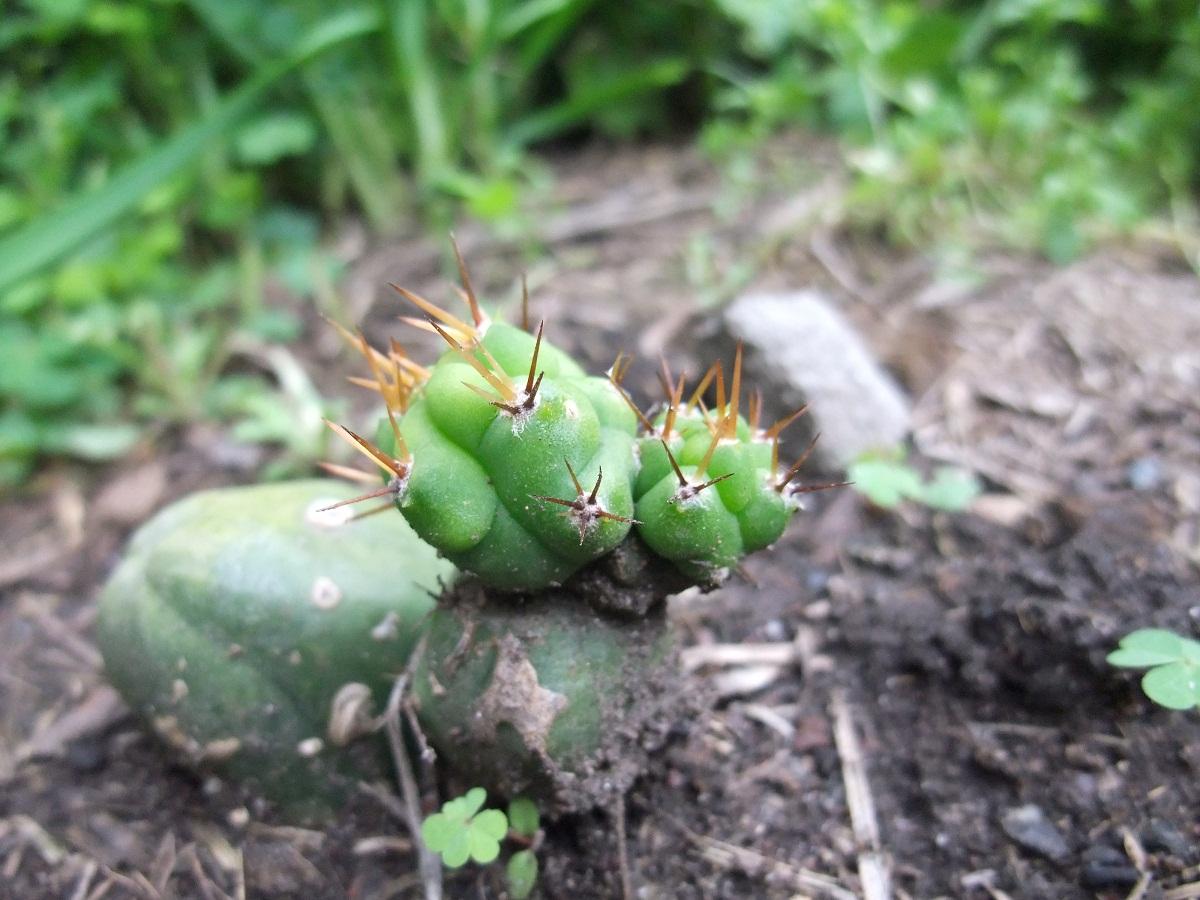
(549, 671)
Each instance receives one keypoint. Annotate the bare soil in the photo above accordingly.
(961, 656)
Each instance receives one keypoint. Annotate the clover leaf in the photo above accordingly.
(461, 832)
(886, 479)
(951, 489)
(1173, 679)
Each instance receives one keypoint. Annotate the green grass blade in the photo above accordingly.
(50, 237)
(530, 13)
(578, 108)
(409, 33)
(539, 42)
(227, 22)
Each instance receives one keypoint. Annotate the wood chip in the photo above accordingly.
(746, 680)
(164, 863)
(1188, 891)
(772, 718)
(381, 844)
(780, 653)
(101, 708)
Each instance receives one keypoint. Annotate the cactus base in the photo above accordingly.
(544, 696)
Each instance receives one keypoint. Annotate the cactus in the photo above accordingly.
(553, 485)
(522, 469)
(255, 634)
(550, 670)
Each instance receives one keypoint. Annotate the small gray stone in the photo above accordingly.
(1029, 827)
(1144, 473)
(88, 754)
(1106, 868)
(800, 344)
(1160, 836)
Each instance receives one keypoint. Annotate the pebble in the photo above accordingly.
(1028, 826)
(132, 496)
(310, 747)
(818, 610)
(806, 351)
(1106, 868)
(86, 754)
(1144, 473)
(816, 580)
(1160, 836)
(238, 817)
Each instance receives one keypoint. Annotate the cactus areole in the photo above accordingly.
(548, 668)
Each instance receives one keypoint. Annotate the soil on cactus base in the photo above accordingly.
(1003, 757)
(576, 700)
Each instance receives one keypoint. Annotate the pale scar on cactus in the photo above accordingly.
(486, 453)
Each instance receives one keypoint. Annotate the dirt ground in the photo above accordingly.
(941, 676)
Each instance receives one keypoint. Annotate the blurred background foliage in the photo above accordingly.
(162, 160)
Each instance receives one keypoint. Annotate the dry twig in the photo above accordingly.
(96, 712)
(428, 862)
(618, 815)
(872, 863)
(85, 880)
(731, 856)
(781, 653)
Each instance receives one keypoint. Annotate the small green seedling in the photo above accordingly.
(522, 873)
(1173, 679)
(465, 831)
(886, 479)
(522, 868)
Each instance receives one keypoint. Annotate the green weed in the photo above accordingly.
(1172, 662)
(142, 169)
(887, 479)
(1040, 124)
(463, 831)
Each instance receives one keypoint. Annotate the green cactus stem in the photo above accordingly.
(548, 698)
(257, 635)
(487, 452)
